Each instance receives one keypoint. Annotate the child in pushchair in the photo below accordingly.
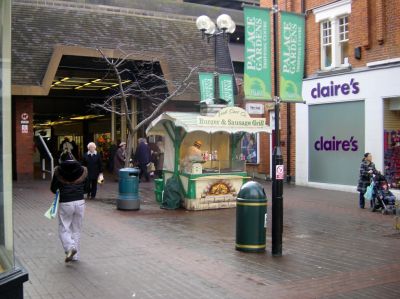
(382, 197)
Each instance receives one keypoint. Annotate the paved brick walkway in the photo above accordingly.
(332, 249)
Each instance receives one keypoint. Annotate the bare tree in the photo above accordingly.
(146, 82)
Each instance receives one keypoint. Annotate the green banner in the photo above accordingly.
(257, 54)
(292, 57)
(207, 87)
(226, 88)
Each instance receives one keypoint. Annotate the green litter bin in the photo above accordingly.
(251, 218)
(128, 197)
(159, 189)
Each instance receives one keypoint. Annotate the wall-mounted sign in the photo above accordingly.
(24, 129)
(24, 123)
(255, 108)
(234, 117)
(334, 89)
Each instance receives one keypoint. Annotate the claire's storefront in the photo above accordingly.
(345, 116)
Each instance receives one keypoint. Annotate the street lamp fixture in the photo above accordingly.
(225, 25)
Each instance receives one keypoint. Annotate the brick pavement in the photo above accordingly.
(332, 249)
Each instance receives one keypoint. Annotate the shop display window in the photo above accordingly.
(392, 157)
(217, 154)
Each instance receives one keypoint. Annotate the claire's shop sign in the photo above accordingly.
(335, 89)
(336, 145)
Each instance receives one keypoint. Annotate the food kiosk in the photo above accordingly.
(213, 180)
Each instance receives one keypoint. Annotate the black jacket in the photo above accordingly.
(71, 179)
(93, 164)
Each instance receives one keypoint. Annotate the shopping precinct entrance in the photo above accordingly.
(83, 105)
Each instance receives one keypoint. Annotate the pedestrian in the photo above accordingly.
(367, 170)
(160, 165)
(142, 158)
(94, 165)
(154, 156)
(119, 159)
(71, 179)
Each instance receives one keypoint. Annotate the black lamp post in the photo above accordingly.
(277, 183)
(224, 26)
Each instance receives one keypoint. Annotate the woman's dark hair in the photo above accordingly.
(366, 155)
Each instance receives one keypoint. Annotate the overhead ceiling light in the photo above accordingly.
(126, 81)
(58, 82)
(86, 84)
(78, 87)
(95, 81)
(83, 117)
(65, 79)
(115, 85)
(105, 88)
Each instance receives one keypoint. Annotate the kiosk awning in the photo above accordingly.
(229, 120)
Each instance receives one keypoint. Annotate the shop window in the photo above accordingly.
(249, 148)
(391, 142)
(334, 34)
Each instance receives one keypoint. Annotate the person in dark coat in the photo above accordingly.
(367, 170)
(92, 160)
(119, 159)
(71, 179)
(142, 158)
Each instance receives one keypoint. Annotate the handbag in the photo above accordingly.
(51, 213)
(151, 167)
(368, 195)
(100, 179)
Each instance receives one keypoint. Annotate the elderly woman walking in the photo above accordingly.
(94, 165)
(367, 169)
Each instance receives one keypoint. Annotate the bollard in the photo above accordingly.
(128, 197)
(251, 218)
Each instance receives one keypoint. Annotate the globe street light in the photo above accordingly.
(225, 26)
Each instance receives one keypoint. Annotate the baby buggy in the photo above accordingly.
(382, 199)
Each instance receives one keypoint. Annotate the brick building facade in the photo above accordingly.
(352, 59)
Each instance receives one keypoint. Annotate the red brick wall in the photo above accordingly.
(23, 148)
(373, 25)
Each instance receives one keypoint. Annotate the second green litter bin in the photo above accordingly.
(159, 184)
(128, 197)
(251, 218)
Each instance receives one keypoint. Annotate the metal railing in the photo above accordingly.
(44, 170)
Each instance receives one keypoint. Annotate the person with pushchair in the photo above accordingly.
(367, 170)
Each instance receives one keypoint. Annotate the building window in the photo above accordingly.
(344, 39)
(334, 27)
(334, 43)
(326, 43)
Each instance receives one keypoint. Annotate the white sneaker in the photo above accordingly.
(70, 255)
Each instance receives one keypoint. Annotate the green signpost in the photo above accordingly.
(257, 54)
(226, 89)
(292, 57)
(206, 87)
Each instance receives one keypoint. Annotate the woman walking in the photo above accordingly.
(72, 180)
(367, 169)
